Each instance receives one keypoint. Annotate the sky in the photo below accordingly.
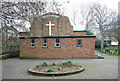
(74, 5)
(78, 5)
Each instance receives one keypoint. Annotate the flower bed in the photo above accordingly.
(56, 69)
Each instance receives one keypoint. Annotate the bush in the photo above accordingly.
(98, 44)
(44, 64)
(89, 32)
(53, 64)
(58, 69)
(37, 66)
(68, 63)
(50, 70)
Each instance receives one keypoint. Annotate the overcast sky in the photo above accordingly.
(76, 5)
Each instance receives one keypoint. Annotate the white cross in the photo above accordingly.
(50, 27)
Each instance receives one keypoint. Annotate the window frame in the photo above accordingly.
(78, 44)
(57, 43)
(44, 43)
(32, 43)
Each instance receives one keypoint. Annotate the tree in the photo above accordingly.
(86, 16)
(13, 16)
(98, 44)
(16, 14)
(74, 16)
(115, 31)
(55, 7)
(101, 18)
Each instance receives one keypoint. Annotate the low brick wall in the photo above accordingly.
(68, 48)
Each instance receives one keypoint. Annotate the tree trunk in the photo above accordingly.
(102, 40)
(86, 24)
(118, 47)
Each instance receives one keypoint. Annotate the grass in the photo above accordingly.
(8, 55)
(14, 46)
(106, 53)
(9, 47)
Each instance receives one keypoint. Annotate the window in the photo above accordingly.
(79, 42)
(44, 43)
(32, 43)
(57, 42)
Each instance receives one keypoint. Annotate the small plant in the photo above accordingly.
(58, 69)
(69, 66)
(53, 64)
(44, 64)
(65, 63)
(50, 70)
(68, 63)
(37, 66)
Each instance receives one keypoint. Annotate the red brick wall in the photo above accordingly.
(24, 33)
(79, 33)
(62, 26)
(68, 48)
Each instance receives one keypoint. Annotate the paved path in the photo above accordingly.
(107, 68)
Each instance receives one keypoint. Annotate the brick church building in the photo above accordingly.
(52, 36)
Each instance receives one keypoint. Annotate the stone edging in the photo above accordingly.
(55, 74)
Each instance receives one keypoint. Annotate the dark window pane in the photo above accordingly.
(57, 40)
(79, 42)
(32, 40)
(44, 40)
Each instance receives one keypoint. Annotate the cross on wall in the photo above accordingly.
(50, 25)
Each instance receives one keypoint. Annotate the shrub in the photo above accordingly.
(98, 44)
(65, 63)
(37, 65)
(58, 69)
(50, 70)
(68, 63)
(88, 32)
(44, 64)
(53, 64)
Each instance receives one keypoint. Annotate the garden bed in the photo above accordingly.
(56, 69)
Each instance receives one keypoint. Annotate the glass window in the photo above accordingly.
(79, 42)
(57, 42)
(44, 43)
(32, 43)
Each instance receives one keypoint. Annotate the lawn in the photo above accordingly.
(113, 53)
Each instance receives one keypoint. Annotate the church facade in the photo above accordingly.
(52, 36)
